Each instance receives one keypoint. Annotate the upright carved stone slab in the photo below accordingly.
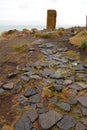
(51, 19)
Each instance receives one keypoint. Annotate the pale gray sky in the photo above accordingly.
(69, 12)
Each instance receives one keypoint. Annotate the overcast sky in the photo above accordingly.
(69, 12)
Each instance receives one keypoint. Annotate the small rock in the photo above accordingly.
(48, 119)
(30, 92)
(64, 106)
(72, 100)
(8, 86)
(25, 78)
(31, 49)
(68, 82)
(35, 99)
(53, 99)
(80, 126)
(42, 110)
(66, 123)
(56, 88)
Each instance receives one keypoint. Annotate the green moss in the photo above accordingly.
(84, 44)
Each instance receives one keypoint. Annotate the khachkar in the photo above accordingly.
(51, 19)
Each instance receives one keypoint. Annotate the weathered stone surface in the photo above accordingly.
(83, 100)
(66, 123)
(23, 123)
(32, 114)
(80, 126)
(42, 110)
(30, 92)
(51, 19)
(8, 86)
(56, 88)
(25, 78)
(68, 82)
(84, 121)
(17, 88)
(1, 91)
(72, 100)
(35, 99)
(74, 86)
(48, 119)
(84, 111)
(81, 84)
(64, 106)
(53, 99)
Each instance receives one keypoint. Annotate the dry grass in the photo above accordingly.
(72, 54)
(79, 38)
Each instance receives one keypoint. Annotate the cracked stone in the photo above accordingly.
(66, 123)
(48, 119)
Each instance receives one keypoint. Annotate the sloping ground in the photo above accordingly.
(79, 38)
(49, 89)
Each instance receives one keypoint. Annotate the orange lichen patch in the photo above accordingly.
(79, 38)
(81, 93)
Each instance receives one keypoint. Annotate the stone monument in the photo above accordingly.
(51, 19)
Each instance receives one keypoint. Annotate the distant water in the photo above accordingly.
(29, 27)
(20, 27)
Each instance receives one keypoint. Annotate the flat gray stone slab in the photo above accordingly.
(82, 85)
(80, 126)
(48, 119)
(35, 99)
(83, 100)
(72, 100)
(66, 123)
(74, 86)
(64, 106)
(23, 123)
(32, 114)
(30, 92)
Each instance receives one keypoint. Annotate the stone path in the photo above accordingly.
(58, 100)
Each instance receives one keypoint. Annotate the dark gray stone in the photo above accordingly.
(83, 100)
(66, 123)
(74, 86)
(23, 123)
(25, 78)
(79, 67)
(80, 126)
(56, 88)
(28, 68)
(42, 110)
(84, 111)
(35, 99)
(30, 92)
(48, 119)
(32, 114)
(72, 100)
(64, 106)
